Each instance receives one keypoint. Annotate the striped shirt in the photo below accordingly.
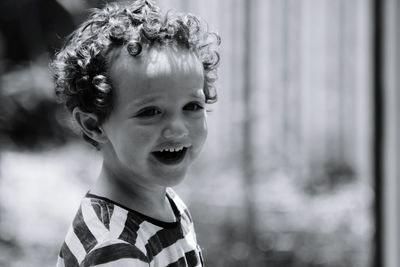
(105, 234)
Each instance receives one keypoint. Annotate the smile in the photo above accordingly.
(170, 156)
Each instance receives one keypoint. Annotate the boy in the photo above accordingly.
(136, 83)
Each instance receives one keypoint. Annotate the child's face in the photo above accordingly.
(159, 106)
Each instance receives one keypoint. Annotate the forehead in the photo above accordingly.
(154, 64)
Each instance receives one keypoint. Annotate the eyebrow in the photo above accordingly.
(149, 99)
(198, 96)
(145, 100)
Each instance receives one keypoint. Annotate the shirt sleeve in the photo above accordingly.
(115, 254)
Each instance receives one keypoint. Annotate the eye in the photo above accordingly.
(193, 106)
(148, 112)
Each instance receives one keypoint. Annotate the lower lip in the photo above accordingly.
(171, 161)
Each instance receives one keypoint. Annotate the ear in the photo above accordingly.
(89, 124)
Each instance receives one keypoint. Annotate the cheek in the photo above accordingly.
(200, 131)
(142, 136)
(129, 139)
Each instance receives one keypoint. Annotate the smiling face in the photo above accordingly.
(158, 124)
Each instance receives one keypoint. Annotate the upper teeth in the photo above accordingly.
(172, 149)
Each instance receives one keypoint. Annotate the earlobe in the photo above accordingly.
(89, 124)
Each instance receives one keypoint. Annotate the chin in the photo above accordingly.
(171, 179)
(177, 179)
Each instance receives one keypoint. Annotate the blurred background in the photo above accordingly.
(290, 174)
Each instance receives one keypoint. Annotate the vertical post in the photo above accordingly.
(378, 126)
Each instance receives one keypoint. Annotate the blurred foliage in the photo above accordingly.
(30, 31)
(30, 117)
(329, 176)
(31, 28)
(293, 228)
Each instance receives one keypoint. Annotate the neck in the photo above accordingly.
(149, 200)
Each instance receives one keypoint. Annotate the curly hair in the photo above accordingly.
(80, 68)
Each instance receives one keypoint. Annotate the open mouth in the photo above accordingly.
(170, 156)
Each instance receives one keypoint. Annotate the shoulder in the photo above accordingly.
(176, 199)
(96, 236)
(180, 204)
(115, 253)
(108, 253)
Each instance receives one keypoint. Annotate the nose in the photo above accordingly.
(175, 129)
